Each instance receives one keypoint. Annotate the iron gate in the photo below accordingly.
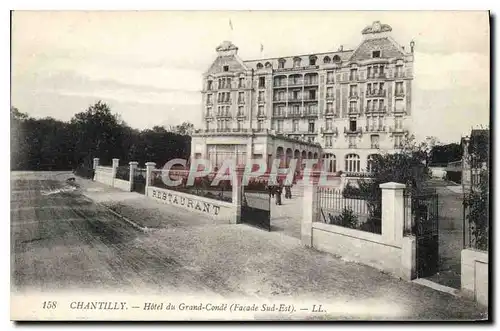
(256, 208)
(139, 183)
(425, 227)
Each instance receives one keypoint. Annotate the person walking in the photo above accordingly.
(288, 190)
(278, 191)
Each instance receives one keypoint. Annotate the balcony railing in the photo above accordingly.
(379, 75)
(376, 110)
(353, 96)
(241, 101)
(353, 78)
(353, 110)
(295, 82)
(397, 130)
(294, 114)
(349, 131)
(240, 114)
(399, 74)
(371, 128)
(279, 99)
(223, 114)
(352, 145)
(331, 130)
(399, 94)
(330, 96)
(310, 82)
(224, 102)
(330, 81)
(261, 100)
(280, 84)
(278, 114)
(399, 110)
(331, 113)
(223, 130)
(376, 93)
(375, 146)
(313, 113)
(310, 98)
(292, 99)
(261, 115)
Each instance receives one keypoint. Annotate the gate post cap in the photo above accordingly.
(96, 158)
(150, 164)
(133, 163)
(392, 186)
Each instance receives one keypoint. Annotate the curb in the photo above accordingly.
(132, 223)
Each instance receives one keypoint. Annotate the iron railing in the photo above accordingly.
(123, 172)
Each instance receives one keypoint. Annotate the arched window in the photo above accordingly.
(312, 60)
(259, 65)
(326, 59)
(268, 65)
(369, 162)
(281, 63)
(330, 162)
(336, 58)
(296, 61)
(352, 163)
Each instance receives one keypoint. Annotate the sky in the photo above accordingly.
(148, 65)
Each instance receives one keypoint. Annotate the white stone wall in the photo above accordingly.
(122, 184)
(474, 275)
(218, 210)
(104, 175)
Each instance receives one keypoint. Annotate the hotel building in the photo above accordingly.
(342, 106)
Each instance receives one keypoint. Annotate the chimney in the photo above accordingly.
(412, 45)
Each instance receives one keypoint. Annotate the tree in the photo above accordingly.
(185, 129)
(444, 154)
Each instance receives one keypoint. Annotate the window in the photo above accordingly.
(375, 54)
(280, 125)
(352, 163)
(295, 126)
(241, 82)
(329, 77)
(312, 60)
(207, 125)
(326, 59)
(329, 108)
(353, 90)
(398, 123)
(312, 94)
(311, 126)
(240, 111)
(329, 92)
(328, 141)
(369, 105)
(310, 139)
(398, 141)
(281, 63)
(296, 62)
(209, 99)
(399, 88)
(262, 82)
(353, 74)
(352, 125)
(336, 58)
(225, 68)
(399, 71)
(239, 125)
(295, 109)
(208, 112)
(260, 125)
(353, 107)
(329, 124)
(374, 139)
(260, 112)
(259, 66)
(369, 162)
(268, 65)
(241, 97)
(295, 95)
(261, 96)
(209, 85)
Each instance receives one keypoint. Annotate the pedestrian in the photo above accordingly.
(288, 191)
(278, 191)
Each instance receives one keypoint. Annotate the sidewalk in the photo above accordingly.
(248, 262)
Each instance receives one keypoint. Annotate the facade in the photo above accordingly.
(345, 105)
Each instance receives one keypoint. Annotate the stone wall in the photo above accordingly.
(474, 275)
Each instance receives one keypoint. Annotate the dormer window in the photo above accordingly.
(259, 66)
(312, 60)
(326, 59)
(281, 63)
(375, 54)
(225, 68)
(268, 65)
(296, 62)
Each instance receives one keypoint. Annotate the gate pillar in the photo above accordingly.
(149, 168)
(237, 193)
(133, 165)
(115, 164)
(392, 212)
(310, 210)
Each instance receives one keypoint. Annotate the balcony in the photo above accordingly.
(330, 96)
(261, 115)
(379, 75)
(376, 93)
(297, 82)
(375, 128)
(261, 100)
(310, 98)
(352, 145)
(208, 116)
(353, 111)
(280, 84)
(224, 102)
(310, 82)
(399, 94)
(358, 130)
(292, 99)
(294, 114)
(278, 114)
(240, 115)
(331, 113)
(399, 111)
(310, 113)
(370, 110)
(223, 130)
(241, 86)
(398, 130)
(223, 115)
(399, 74)
(279, 99)
(353, 96)
(330, 130)
(330, 81)
(375, 146)
(241, 101)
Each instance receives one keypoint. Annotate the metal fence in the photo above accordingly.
(202, 187)
(420, 210)
(355, 212)
(476, 213)
(123, 172)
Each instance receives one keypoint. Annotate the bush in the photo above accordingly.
(352, 192)
(454, 176)
(347, 219)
